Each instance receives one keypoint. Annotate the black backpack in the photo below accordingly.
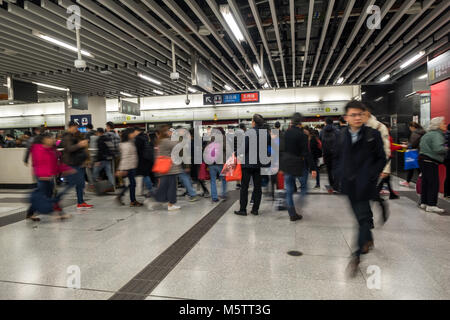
(329, 141)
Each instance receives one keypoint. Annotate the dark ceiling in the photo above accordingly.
(134, 36)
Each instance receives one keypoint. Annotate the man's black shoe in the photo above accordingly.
(255, 213)
(296, 217)
(240, 213)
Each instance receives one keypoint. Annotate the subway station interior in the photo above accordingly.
(92, 93)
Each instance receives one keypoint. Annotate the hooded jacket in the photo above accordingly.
(377, 125)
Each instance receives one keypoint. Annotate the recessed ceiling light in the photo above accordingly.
(192, 90)
(257, 70)
(126, 94)
(385, 77)
(412, 60)
(227, 87)
(340, 80)
(50, 86)
(423, 76)
(63, 44)
(150, 79)
(228, 16)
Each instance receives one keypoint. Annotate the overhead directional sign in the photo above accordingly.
(130, 108)
(230, 98)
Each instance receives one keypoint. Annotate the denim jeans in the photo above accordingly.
(363, 214)
(214, 172)
(289, 183)
(46, 187)
(132, 185)
(104, 164)
(186, 181)
(76, 180)
(148, 183)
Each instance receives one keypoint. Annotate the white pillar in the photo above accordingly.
(96, 108)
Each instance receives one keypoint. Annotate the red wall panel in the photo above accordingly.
(440, 107)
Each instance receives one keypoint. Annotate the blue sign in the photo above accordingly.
(82, 119)
(231, 98)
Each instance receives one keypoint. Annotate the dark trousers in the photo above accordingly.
(76, 180)
(363, 214)
(447, 178)
(411, 174)
(430, 182)
(383, 181)
(247, 174)
(329, 164)
(47, 188)
(167, 189)
(131, 186)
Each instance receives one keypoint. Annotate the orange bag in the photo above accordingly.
(232, 169)
(162, 165)
(236, 174)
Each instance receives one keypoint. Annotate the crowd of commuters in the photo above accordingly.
(356, 152)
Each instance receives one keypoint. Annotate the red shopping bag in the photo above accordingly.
(419, 185)
(232, 169)
(203, 173)
(280, 181)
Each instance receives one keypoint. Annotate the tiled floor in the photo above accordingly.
(239, 258)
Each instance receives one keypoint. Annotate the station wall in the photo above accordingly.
(273, 103)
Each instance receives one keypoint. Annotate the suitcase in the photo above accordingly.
(102, 187)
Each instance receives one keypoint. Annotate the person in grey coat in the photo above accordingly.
(167, 190)
(128, 164)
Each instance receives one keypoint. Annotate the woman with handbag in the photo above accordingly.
(166, 169)
(128, 164)
(417, 133)
(215, 155)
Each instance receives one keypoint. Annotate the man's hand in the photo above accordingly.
(83, 143)
(384, 175)
(313, 174)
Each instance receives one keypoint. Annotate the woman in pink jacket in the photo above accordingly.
(46, 167)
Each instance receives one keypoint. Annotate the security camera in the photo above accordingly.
(80, 65)
(187, 101)
(175, 76)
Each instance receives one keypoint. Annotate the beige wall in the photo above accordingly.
(13, 169)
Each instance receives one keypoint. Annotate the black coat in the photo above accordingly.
(104, 152)
(359, 165)
(145, 155)
(247, 161)
(296, 146)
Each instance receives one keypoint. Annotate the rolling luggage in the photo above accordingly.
(102, 187)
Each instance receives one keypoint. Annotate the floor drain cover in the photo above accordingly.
(295, 253)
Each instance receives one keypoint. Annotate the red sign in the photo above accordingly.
(250, 97)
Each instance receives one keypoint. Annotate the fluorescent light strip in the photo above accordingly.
(228, 16)
(340, 80)
(379, 99)
(149, 79)
(126, 94)
(227, 87)
(412, 60)
(158, 92)
(385, 77)
(64, 45)
(266, 85)
(192, 90)
(423, 77)
(257, 70)
(41, 92)
(50, 86)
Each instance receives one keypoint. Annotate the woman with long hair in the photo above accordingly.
(167, 189)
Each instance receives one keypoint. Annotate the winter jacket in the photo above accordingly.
(432, 145)
(329, 137)
(45, 162)
(145, 154)
(73, 154)
(165, 149)
(414, 140)
(103, 152)
(359, 164)
(248, 159)
(377, 125)
(296, 146)
(128, 156)
(114, 142)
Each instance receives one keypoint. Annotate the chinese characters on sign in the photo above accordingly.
(230, 98)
